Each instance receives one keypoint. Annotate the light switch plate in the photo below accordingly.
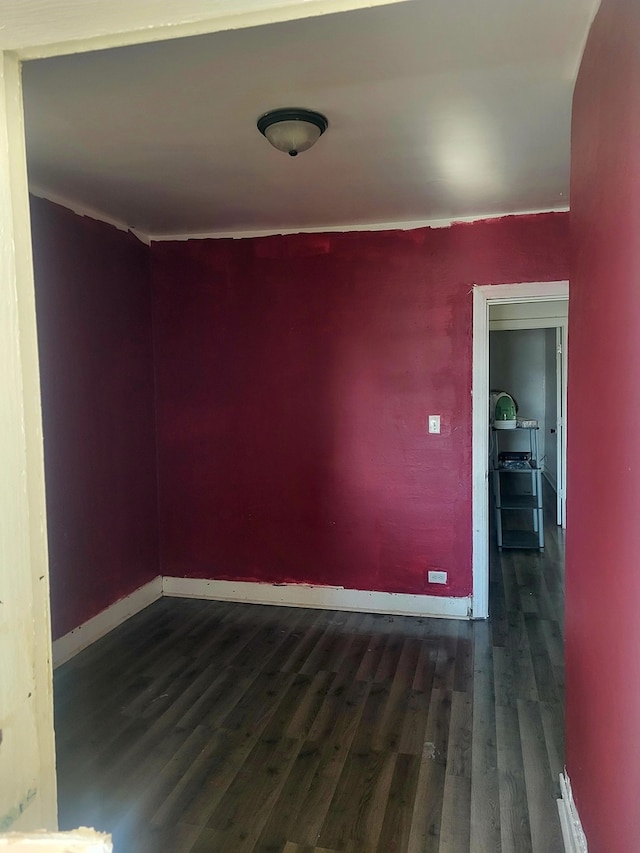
(434, 423)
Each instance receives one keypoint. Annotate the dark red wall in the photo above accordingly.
(295, 375)
(96, 363)
(603, 530)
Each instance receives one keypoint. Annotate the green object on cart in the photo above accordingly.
(505, 408)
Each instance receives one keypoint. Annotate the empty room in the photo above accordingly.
(259, 594)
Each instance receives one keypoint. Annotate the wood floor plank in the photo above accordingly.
(514, 811)
(340, 711)
(389, 660)
(398, 816)
(282, 823)
(264, 772)
(554, 641)
(227, 760)
(545, 677)
(392, 715)
(412, 736)
(377, 697)
(485, 783)
(426, 666)
(181, 799)
(459, 755)
(445, 671)
(371, 660)
(156, 777)
(355, 816)
(553, 725)
(455, 829)
(334, 731)
(217, 698)
(352, 660)
(309, 706)
(209, 841)
(463, 674)
(323, 651)
(311, 634)
(178, 836)
(514, 676)
(426, 816)
(544, 821)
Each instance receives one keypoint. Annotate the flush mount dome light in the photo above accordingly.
(292, 129)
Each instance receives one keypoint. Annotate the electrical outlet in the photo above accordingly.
(434, 423)
(436, 576)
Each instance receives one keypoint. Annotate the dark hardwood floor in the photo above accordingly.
(205, 726)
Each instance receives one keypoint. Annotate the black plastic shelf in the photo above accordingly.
(522, 539)
(518, 502)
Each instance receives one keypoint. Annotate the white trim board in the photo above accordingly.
(320, 597)
(83, 210)
(93, 629)
(284, 595)
(345, 228)
(533, 323)
(575, 841)
(409, 225)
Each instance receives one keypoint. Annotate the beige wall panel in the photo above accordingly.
(27, 762)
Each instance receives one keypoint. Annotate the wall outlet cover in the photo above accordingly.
(436, 576)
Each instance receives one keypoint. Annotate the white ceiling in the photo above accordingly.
(438, 109)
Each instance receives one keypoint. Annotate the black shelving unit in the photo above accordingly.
(507, 476)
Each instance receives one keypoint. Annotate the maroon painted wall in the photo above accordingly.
(603, 531)
(294, 378)
(93, 306)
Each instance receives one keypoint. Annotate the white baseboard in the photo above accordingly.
(575, 841)
(286, 595)
(93, 629)
(322, 597)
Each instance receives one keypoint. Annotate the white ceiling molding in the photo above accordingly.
(409, 225)
(90, 212)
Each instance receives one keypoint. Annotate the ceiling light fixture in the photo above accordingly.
(292, 129)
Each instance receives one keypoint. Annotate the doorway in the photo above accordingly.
(502, 300)
(527, 357)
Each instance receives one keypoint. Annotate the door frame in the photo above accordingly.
(483, 297)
